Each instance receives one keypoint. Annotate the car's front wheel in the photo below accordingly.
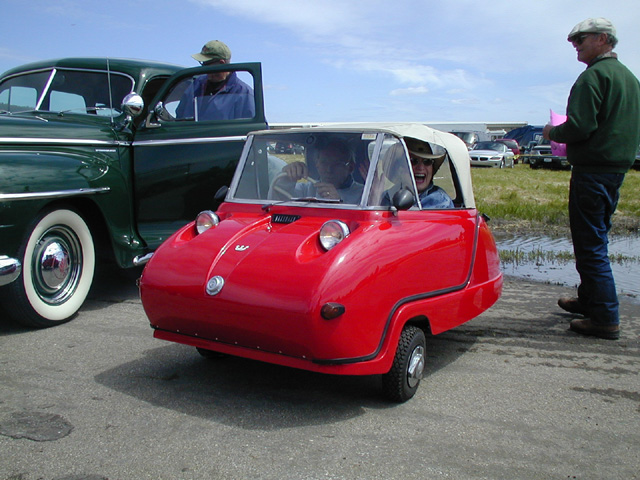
(58, 263)
(402, 381)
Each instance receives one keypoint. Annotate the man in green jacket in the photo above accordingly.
(602, 133)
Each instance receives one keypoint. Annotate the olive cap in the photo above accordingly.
(213, 50)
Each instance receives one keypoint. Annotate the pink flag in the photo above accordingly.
(558, 149)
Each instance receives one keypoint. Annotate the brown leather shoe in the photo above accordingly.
(572, 305)
(585, 326)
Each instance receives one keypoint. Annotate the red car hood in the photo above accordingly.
(277, 277)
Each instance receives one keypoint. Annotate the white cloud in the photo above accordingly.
(509, 54)
(328, 18)
(409, 91)
(465, 101)
(358, 59)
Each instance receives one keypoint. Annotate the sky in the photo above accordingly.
(430, 61)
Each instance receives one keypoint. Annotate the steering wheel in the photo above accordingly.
(274, 188)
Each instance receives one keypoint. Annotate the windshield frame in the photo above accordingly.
(376, 138)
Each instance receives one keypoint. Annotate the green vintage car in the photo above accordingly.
(102, 159)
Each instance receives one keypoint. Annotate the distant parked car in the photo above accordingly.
(541, 156)
(512, 144)
(491, 154)
(288, 148)
(284, 147)
(469, 138)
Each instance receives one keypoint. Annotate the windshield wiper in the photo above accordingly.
(23, 112)
(88, 110)
(315, 200)
(267, 206)
(18, 112)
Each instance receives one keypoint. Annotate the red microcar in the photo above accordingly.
(335, 255)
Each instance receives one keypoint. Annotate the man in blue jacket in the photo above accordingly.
(602, 133)
(218, 95)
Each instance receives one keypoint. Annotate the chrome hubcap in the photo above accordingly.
(56, 265)
(416, 366)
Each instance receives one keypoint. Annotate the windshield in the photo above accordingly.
(499, 147)
(21, 93)
(467, 137)
(78, 91)
(324, 167)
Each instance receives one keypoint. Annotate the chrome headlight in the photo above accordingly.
(332, 233)
(205, 220)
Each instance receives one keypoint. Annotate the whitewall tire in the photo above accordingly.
(58, 264)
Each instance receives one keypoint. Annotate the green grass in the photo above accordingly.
(540, 256)
(526, 199)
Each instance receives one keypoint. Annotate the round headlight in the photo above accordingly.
(332, 233)
(205, 220)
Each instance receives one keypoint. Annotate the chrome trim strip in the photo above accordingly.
(188, 141)
(59, 141)
(235, 180)
(142, 143)
(53, 194)
(142, 259)
(10, 269)
(45, 90)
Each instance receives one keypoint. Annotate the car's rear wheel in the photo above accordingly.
(58, 263)
(403, 380)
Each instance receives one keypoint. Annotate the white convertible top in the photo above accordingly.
(456, 148)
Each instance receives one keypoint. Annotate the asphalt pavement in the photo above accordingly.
(510, 395)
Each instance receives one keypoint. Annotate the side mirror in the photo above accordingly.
(162, 113)
(221, 193)
(132, 105)
(403, 199)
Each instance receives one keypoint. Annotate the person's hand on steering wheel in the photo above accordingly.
(296, 171)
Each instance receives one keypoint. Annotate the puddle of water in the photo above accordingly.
(554, 261)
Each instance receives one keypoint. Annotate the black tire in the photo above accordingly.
(58, 263)
(403, 380)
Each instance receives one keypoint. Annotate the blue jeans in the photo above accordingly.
(593, 198)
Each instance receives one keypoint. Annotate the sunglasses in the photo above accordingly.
(210, 62)
(427, 162)
(578, 39)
